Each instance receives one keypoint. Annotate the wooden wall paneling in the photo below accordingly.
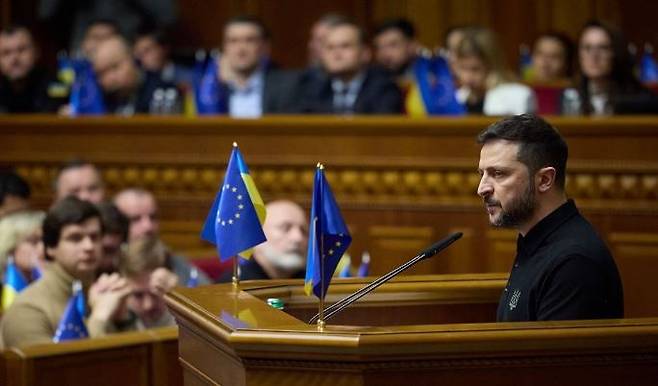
(636, 255)
(502, 249)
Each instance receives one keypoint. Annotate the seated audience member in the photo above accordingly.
(14, 193)
(151, 50)
(552, 59)
(126, 89)
(318, 35)
(396, 48)
(607, 83)
(23, 85)
(283, 255)
(72, 234)
(115, 235)
(80, 179)
(96, 32)
(452, 39)
(20, 238)
(487, 85)
(140, 207)
(143, 266)
(254, 87)
(350, 85)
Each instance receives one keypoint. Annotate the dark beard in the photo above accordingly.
(518, 211)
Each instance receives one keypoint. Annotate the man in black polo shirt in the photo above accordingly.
(562, 270)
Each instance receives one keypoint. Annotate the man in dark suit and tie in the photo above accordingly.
(347, 85)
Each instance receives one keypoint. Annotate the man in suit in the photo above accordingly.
(349, 85)
(253, 86)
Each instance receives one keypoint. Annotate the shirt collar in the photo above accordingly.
(352, 86)
(534, 238)
(254, 82)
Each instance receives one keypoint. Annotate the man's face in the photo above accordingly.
(111, 255)
(393, 50)
(595, 53)
(316, 42)
(244, 46)
(286, 230)
(549, 60)
(506, 188)
(471, 72)
(17, 54)
(150, 53)
(83, 182)
(142, 211)
(145, 301)
(79, 248)
(114, 67)
(343, 53)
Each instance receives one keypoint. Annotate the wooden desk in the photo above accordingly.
(235, 338)
(148, 358)
(401, 183)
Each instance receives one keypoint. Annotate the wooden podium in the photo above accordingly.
(416, 330)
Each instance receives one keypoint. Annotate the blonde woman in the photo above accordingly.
(20, 237)
(487, 86)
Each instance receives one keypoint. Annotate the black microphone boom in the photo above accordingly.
(427, 253)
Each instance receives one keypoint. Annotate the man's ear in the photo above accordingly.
(545, 179)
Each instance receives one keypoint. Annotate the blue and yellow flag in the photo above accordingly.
(210, 95)
(86, 95)
(14, 283)
(72, 325)
(328, 237)
(648, 67)
(235, 220)
(433, 90)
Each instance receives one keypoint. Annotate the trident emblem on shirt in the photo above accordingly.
(514, 301)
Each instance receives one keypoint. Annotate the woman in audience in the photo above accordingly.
(20, 238)
(607, 84)
(487, 85)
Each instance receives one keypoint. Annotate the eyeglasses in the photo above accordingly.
(603, 49)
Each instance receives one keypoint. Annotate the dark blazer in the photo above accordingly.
(378, 94)
(279, 91)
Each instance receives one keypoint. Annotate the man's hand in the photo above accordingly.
(107, 298)
(162, 281)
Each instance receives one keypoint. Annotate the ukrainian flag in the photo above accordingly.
(235, 221)
(328, 238)
(14, 283)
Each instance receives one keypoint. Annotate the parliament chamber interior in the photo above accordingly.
(403, 169)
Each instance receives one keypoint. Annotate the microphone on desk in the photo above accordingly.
(426, 254)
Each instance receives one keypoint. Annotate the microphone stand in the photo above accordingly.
(343, 303)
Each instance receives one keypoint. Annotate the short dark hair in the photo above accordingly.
(403, 25)
(11, 184)
(114, 221)
(14, 28)
(248, 19)
(70, 210)
(540, 144)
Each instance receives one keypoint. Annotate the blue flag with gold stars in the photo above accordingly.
(328, 237)
(72, 325)
(234, 223)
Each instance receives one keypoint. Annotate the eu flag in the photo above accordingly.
(436, 87)
(364, 268)
(328, 238)
(86, 94)
(193, 280)
(72, 325)
(210, 94)
(234, 223)
(648, 67)
(14, 283)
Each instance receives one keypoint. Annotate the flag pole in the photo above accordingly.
(236, 278)
(321, 322)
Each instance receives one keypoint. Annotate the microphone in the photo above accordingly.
(426, 254)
